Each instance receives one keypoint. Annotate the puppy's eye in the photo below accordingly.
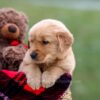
(45, 42)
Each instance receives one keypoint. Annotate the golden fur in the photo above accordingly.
(52, 42)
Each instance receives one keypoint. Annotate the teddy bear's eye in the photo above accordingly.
(45, 42)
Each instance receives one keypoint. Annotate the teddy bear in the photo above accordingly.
(13, 27)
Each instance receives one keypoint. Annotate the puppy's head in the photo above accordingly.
(47, 39)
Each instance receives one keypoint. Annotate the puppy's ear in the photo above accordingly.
(65, 40)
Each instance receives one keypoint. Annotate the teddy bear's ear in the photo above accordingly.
(65, 40)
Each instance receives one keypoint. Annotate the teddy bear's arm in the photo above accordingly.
(13, 55)
(16, 52)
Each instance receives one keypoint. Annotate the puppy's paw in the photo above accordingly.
(48, 80)
(34, 83)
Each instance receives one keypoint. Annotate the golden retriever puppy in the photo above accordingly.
(50, 54)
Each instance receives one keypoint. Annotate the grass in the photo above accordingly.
(85, 26)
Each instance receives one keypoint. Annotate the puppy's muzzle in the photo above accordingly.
(33, 55)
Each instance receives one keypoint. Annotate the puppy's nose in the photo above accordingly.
(33, 55)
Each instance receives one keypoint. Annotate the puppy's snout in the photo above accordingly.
(33, 55)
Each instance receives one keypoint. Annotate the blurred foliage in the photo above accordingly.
(85, 26)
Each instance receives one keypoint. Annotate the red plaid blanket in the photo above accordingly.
(13, 86)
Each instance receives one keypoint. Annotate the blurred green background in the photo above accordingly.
(82, 17)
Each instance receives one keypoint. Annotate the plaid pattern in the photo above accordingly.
(13, 87)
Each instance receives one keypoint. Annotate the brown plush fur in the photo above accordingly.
(13, 26)
(50, 54)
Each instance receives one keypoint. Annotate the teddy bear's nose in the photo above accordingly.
(12, 29)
